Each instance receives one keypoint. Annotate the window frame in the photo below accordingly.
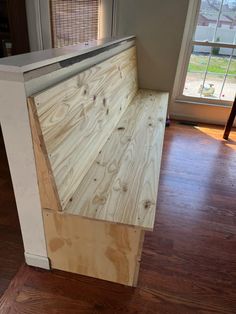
(39, 24)
(64, 25)
(184, 58)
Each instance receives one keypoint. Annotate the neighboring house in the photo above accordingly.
(210, 12)
(210, 19)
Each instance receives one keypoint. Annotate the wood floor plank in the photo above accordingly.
(188, 263)
(11, 246)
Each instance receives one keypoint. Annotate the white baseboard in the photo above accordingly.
(37, 261)
(206, 113)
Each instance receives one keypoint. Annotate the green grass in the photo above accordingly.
(218, 65)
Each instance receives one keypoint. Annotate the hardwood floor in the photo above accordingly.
(189, 261)
(11, 247)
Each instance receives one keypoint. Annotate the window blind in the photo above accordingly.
(74, 21)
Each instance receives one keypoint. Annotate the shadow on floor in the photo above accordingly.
(11, 246)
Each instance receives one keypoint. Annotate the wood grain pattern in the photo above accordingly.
(96, 249)
(47, 188)
(121, 185)
(78, 115)
(188, 263)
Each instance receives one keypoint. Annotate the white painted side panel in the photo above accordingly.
(17, 138)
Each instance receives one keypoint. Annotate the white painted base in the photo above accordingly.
(37, 261)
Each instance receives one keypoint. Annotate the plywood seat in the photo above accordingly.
(121, 185)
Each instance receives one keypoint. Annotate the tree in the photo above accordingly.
(215, 50)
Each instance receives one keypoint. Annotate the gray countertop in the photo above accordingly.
(30, 61)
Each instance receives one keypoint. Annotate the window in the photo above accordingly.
(210, 66)
(74, 21)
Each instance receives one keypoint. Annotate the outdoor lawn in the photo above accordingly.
(221, 88)
(218, 64)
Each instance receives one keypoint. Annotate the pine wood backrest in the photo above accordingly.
(72, 121)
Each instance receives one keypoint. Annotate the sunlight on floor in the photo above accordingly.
(217, 134)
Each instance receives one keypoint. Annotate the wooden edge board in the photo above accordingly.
(47, 187)
(139, 257)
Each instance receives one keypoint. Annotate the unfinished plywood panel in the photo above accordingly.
(47, 188)
(97, 249)
(121, 185)
(77, 116)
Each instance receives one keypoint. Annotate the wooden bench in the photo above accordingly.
(98, 143)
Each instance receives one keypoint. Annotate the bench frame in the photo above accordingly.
(47, 233)
(100, 247)
(75, 244)
(26, 75)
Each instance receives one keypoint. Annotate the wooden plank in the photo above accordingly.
(139, 257)
(121, 185)
(78, 115)
(47, 188)
(96, 249)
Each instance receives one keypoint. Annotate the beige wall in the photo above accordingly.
(159, 26)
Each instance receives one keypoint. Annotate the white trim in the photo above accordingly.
(186, 47)
(201, 113)
(114, 18)
(106, 19)
(39, 27)
(34, 24)
(99, 19)
(45, 22)
(213, 44)
(204, 101)
(37, 261)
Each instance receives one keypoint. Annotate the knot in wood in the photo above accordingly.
(147, 204)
